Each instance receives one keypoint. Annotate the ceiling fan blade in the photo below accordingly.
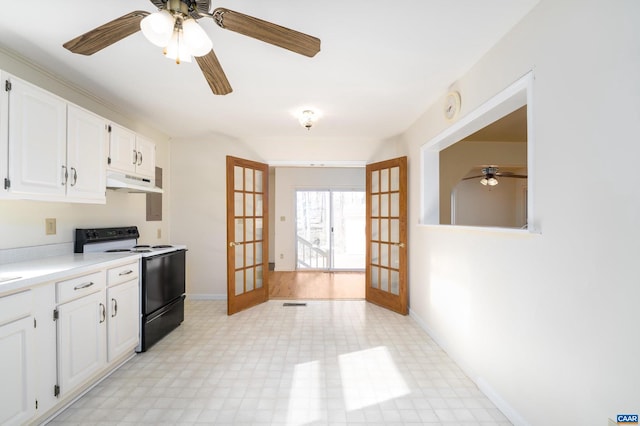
(472, 177)
(214, 74)
(107, 34)
(511, 175)
(268, 32)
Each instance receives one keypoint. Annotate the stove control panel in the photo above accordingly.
(98, 235)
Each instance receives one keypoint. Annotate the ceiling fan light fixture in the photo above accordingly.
(177, 48)
(195, 38)
(492, 181)
(158, 27)
(484, 181)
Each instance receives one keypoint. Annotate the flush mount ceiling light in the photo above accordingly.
(307, 118)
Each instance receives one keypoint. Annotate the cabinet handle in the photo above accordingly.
(135, 156)
(75, 176)
(103, 313)
(115, 308)
(83, 285)
(126, 272)
(65, 175)
(140, 160)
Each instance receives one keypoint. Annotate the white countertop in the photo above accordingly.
(37, 271)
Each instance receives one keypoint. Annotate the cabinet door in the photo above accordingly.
(4, 136)
(122, 149)
(17, 397)
(86, 155)
(81, 340)
(37, 141)
(146, 165)
(124, 319)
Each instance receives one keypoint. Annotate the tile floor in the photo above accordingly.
(329, 363)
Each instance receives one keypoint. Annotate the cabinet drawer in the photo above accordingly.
(80, 286)
(15, 306)
(122, 273)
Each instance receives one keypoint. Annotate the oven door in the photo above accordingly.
(163, 280)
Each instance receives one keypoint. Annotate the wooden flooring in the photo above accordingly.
(316, 285)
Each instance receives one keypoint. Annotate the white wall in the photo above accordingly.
(198, 208)
(288, 179)
(548, 325)
(22, 222)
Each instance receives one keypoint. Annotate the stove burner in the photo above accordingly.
(142, 246)
(141, 249)
(159, 246)
(117, 250)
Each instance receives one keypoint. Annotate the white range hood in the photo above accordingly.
(128, 183)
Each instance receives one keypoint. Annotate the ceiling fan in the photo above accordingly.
(174, 28)
(490, 173)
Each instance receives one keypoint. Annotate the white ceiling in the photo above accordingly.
(380, 66)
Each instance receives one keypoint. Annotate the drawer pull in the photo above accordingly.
(126, 272)
(85, 285)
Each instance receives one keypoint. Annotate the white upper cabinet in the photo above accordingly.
(56, 151)
(37, 133)
(146, 164)
(122, 149)
(131, 153)
(86, 155)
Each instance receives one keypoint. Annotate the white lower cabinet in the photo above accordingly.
(17, 393)
(123, 319)
(82, 328)
(58, 338)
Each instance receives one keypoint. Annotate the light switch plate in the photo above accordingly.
(50, 226)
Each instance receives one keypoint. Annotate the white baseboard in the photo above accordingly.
(206, 296)
(497, 400)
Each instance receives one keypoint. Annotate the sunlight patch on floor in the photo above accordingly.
(304, 402)
(370, 377)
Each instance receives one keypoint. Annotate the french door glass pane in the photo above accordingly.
(375, 182)
(238, 181)
(395, 178)
(250, 280)
(249, 229)
(374, 276)
(349, 234)
(384, 180)
(259, 277)
(248, 179)
(239, 282)
(239, 236)
(395, 282)
(249, 205)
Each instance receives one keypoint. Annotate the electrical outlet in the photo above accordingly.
(159, 233)
(281, 256)
(50, 226)
(282, 218)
